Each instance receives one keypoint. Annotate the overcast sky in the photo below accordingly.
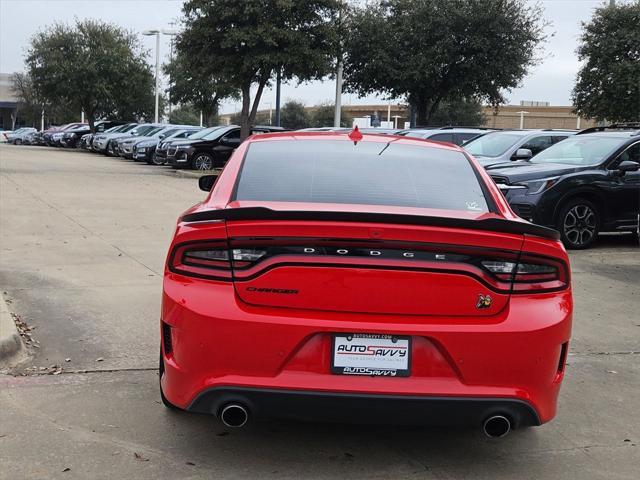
(550, 81)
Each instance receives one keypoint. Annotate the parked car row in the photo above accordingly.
(580, 183)
(17, 137)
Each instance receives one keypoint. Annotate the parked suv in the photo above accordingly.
(102, 142)
(510, 145)
(73, 136)
(210, 148)
(145, 150)
(587, 184)
(455, 135)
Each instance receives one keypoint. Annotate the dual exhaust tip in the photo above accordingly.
(236, 415)
(496, 426)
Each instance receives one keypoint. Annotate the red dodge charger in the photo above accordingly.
(363, 278)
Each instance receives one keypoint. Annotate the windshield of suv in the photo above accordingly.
(144, 130)
(203, 133)
(494, 144)
(579, 150)
(415, 133)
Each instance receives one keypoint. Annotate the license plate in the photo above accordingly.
(371, 355)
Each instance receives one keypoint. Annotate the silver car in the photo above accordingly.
(17, 136)
(510, 145)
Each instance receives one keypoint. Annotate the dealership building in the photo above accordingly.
(8, 102)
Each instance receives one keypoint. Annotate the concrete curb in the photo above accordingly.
(190, 173)
(10, 342)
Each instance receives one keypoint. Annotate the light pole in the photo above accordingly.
(522, 114)
(338, 103)
(157, 34)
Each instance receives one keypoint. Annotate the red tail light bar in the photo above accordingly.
(244, 259)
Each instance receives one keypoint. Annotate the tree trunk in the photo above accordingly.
(421, 109)
(91, 121)
(244, 114)
(256, 100)
(433, 109)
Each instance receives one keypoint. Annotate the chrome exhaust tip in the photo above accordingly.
(234, 415)
(496, 426)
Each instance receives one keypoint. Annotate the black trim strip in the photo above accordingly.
(263, 213)
(360, 407)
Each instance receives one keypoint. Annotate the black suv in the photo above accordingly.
(586, 184)
(210, 148)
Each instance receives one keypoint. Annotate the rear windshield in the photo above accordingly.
(368, 173)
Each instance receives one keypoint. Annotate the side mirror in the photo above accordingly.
(627, 166)
(161, 136)
(522, 154)
(206, 182)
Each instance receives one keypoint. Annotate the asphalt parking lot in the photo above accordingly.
(82, 245)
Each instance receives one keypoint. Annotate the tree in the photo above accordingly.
(247, 42)
(261, 118)
(459, 111)
(294, 115)
(608, 83)
(192, 83)
(429, 51)
(92, 67)
(322, 116)
(31, 104)
(186, 114)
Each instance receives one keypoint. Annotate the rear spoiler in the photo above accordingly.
(262, 213)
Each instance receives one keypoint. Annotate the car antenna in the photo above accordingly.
(355, 135)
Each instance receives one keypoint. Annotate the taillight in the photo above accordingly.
(530, 274)
(211, 259)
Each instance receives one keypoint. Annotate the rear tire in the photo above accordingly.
(165, 402)
(578, 224)
(202, 161)
(17, 141)
(109, 152)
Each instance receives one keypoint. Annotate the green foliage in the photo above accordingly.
(428, 51)
(30, 104)
(608, 84)
(460, 111)
(191, 83)
(322, 116)
(294, 115)
(246, 42)
(92, 66)
(261, 118)
(186, 114)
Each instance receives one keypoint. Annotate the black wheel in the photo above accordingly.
(17, 141)
(157, 160)
(202, 161)
(579, 223)
(165, 402)
(110, 152)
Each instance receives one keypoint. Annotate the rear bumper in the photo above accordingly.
(365, 408)
(218, 342)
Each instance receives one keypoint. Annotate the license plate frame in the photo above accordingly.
(364, 361)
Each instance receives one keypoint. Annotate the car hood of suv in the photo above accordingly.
(523, 170)
(186, 142)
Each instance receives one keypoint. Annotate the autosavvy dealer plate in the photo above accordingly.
(371, 355)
